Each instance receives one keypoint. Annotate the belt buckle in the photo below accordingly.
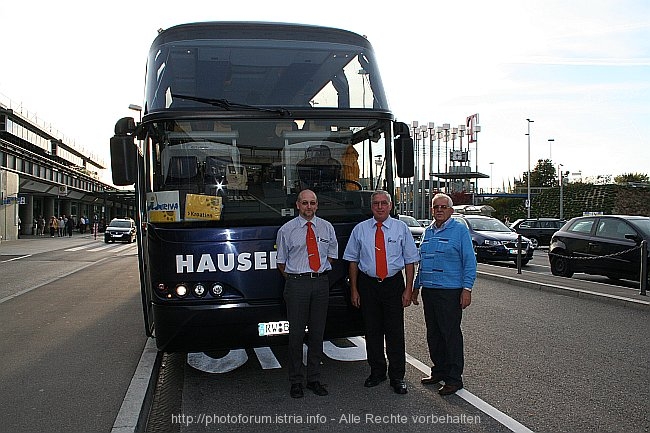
(313, 275)
(380, 280)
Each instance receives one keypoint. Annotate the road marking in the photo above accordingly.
(231, 361)
(103, 247)
(266, 357)
(77, 248)
(129, 414)
(15, 258)
(489, 410)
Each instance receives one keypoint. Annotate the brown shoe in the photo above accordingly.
(449, 389)
(434, 379)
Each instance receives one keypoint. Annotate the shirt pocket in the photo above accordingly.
(394, 247)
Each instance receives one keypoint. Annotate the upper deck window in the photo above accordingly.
(259, 72)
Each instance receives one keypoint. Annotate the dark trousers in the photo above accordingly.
(442, 314)
(307, 300)
(383, 317)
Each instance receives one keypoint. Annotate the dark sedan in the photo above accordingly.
(538, 230)
(494, 241)
(607, 245)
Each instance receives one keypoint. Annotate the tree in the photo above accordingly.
(542, 175)
(631, 177)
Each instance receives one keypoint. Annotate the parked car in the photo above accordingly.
(417, 230)
(495, 241)
(607, 245)
(425, 222)
(120, 229)
(538, 230)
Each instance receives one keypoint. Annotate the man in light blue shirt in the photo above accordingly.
(382, 298)
(446, 275)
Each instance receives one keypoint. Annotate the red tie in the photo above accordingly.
(312, 249)
(380, 253)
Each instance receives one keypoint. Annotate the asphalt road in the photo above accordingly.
(71, 333)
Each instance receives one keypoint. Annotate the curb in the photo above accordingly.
(569, 291)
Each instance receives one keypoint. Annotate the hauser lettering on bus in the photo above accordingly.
(258, 260)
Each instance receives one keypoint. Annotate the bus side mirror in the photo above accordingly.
(404, 156)
(124, 153)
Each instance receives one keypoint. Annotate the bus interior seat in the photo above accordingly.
(182, 170)
(318, 170)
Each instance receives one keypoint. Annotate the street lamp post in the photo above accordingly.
(550, 143)
(461, 134)
(378, 163)
(423, 134)
(439, 136)
(561, 197)
(432, 132)
(445, 132)
(528, 202)
(491, 164)
(416, 174)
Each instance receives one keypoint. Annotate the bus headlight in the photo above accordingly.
(199, 290)
(217, 289)
(181, 290)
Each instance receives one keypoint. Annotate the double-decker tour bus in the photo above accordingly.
(238, 118)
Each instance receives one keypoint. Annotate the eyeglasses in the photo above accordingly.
(440, 206)
(380, 203)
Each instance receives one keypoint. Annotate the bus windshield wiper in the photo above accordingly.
(227, 105)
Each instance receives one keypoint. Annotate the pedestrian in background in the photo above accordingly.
(379, 249)
(40, 226)
(69, 226)
(60, 226)
(53, 226)
(445, 277)
(306, 247)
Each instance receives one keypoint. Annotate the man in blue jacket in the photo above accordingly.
(446, 275)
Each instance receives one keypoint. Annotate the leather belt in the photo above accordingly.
(309, 274)
(379, 280)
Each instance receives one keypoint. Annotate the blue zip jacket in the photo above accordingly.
(447, 259)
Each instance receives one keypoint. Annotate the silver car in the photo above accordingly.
(417, 230)
(120, 229)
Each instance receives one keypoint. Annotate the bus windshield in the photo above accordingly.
(275, 68)
(222, 173)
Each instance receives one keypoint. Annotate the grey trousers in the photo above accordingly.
(307, 300)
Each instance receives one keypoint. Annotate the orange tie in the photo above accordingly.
(312, 249)
(380, 253)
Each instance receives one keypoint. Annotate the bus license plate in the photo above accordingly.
(273, 328)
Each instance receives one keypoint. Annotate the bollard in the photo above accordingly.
(644, 268)
(519, 254)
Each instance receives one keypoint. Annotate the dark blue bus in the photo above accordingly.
(238, 117)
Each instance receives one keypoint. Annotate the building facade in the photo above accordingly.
(44, 174)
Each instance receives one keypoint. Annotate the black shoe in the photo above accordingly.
(399, 386)
(449, 389)
(317, 388)
(434, 379)
(374, 381)
(296, 390)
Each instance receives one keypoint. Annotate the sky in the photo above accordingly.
(579, 69)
